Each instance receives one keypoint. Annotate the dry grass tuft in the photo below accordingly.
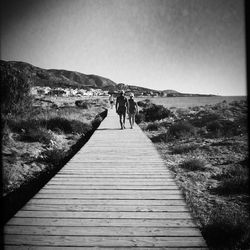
(194, 165)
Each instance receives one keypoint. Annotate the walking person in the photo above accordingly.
(111, 101)
(132, 110)
(121, 108)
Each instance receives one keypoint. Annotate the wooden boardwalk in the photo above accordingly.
(115, 193)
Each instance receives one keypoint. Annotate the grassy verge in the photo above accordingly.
(206, 148)
(37, 143)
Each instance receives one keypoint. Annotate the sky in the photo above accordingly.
(191, 46)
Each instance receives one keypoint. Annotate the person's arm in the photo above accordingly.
(136, 107)
(127, 105)
(116, 104)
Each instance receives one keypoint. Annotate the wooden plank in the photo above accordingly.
(98, 215)
(113, 173)
(115, 176)
(133, 160)
(107, 208)
(109, 196)
(8, 247)
(120, 202)
(114, 150)
(117, 164)
(169, 185)
(114, 181)
(109, 187)
(116, 169)
(49, 240)
(101, 231)
(107, 222)
(109, 192)
(106, 183)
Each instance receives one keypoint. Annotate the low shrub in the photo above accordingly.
(152, 127)
(230, 128)
(159, 138)
(53, 156)
(155, 112)
(67, 126)
(21, 126)
(222, 143)
(165, 124)
(96, 122)
(202, 118)
(184, 148)
(244, 163)
(81, 104)
(55, 123)
(233, 180)
(80, 127)
(142, 104)
(139, 117)
(214, 126)
(181, 129)
(223, 128)
(233, 185)
(227, 228)
(36, 135)
(194, 165)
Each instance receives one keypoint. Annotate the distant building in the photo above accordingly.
(57, 92)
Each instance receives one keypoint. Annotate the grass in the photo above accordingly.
(61, 124)
(233, 185)
(184, 148)
(181, 129)
(152, 126)
(45, 136)
(227, 228)
(53, 156)
(218, 195)
(96, 122)
(233, 181)
(36, 135)
(194, 165)
(220, 128)
(162, 137)
(81, 104)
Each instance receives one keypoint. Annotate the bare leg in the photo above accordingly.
(121, 121)
(130, 121)
(133, 120)
(124, 116)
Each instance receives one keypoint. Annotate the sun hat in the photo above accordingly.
(122, 92)
(131, 95)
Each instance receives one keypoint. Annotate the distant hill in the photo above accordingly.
(56, 78)
(71, 79)
(170, 91)
(173, 93)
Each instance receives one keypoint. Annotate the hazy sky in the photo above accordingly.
(192, 46)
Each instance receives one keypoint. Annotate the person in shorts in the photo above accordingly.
(111, 101)
(121, 108)
(132, 110)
